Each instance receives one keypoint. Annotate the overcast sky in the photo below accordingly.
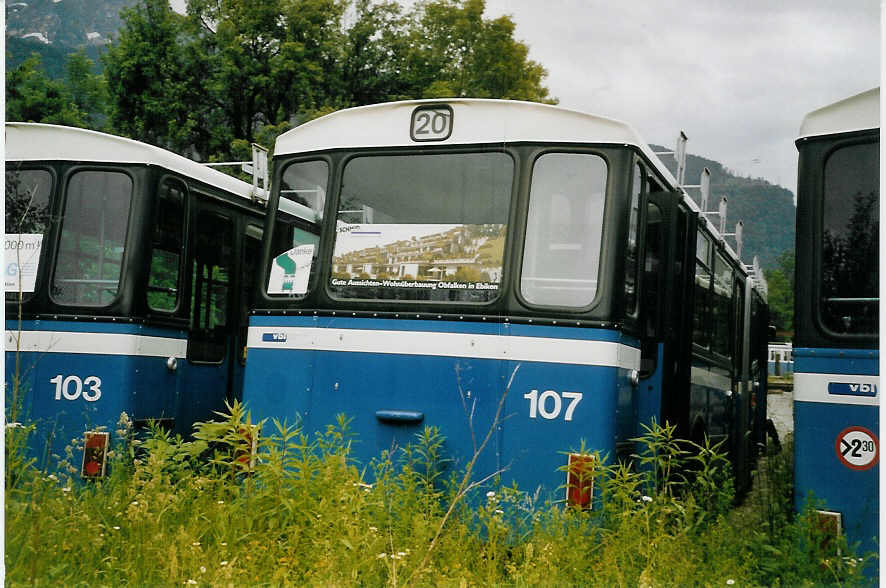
(737, 76)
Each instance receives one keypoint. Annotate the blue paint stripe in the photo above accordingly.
(96, 327)
(863, 362)
(444, 326)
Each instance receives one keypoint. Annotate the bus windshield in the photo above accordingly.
(427, 227)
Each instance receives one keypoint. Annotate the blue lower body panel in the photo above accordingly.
(836, 437)
(393, 377)
(819, 471)
(69, 378)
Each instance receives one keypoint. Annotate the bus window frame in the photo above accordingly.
(719, 255)
(327, 241)
(601, 151)
(707, 343)
(638, 166)
(269, 233)
(206, 205)
(185, 249)
(134, 205)
(816, 296)
(41, 292)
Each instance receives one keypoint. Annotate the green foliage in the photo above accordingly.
(233, 72)
(293, 508)
(32, 97)
(780, 282)
(157, 86)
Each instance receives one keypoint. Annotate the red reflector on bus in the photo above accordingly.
(580, 480)
(95, 454)
(828, 526)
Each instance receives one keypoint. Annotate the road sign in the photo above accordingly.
(857, 448)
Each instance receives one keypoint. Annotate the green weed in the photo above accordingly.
(231, 507)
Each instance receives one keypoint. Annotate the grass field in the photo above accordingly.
(195, 513)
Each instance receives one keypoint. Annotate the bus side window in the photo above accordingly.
(211, 273)
(167, 243)
(722, 317)
(631, 251)
(564, 230)
(700, 314)
(93, 235)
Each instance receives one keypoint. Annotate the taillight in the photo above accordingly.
(580, 480)
(95, 454)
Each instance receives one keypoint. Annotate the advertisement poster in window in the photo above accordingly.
(418, 256)
(21, 256)
(290, 271)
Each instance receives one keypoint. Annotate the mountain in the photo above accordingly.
(768, 211)
(55, 28)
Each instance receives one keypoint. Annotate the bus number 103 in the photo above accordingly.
(72, 387)
(549, 404)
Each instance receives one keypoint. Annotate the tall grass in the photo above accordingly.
(298, 510)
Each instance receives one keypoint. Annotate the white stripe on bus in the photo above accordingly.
(509, 347)
(96, 343)
(814, 388)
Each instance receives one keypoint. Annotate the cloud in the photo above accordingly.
(737, 76)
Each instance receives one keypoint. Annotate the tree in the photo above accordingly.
(32, 97)
(157, 89)
(375, 51)
(456, 52)
(780, 283)
(88, 91)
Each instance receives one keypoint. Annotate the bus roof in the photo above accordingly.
(42, 142)
(475, 121)
(856, 113)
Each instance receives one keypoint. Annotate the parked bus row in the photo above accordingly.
(449, 263)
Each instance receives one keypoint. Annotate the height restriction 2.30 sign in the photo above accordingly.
(857, 448)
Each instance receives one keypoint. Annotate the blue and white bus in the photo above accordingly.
(781, 359)
(836, 356)
(499, 265)
(127, 276)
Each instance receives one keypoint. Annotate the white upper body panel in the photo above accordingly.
(856, 113)
(475, 121)
(41, 142)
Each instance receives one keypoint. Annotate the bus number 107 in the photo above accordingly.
(549, 404)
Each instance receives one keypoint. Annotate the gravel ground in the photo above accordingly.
(780, 408)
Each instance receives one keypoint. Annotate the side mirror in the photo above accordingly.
(772, 332)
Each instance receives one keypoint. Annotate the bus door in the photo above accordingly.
(207, 378)
(250, 254)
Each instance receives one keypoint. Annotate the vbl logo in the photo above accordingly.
(847, 389)
(274, 337)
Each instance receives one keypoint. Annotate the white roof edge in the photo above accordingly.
(44, 142)
(856, 113)
(562, 125)
(482, 128)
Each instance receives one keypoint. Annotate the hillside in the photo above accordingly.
(55, 28)
(767, 210)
